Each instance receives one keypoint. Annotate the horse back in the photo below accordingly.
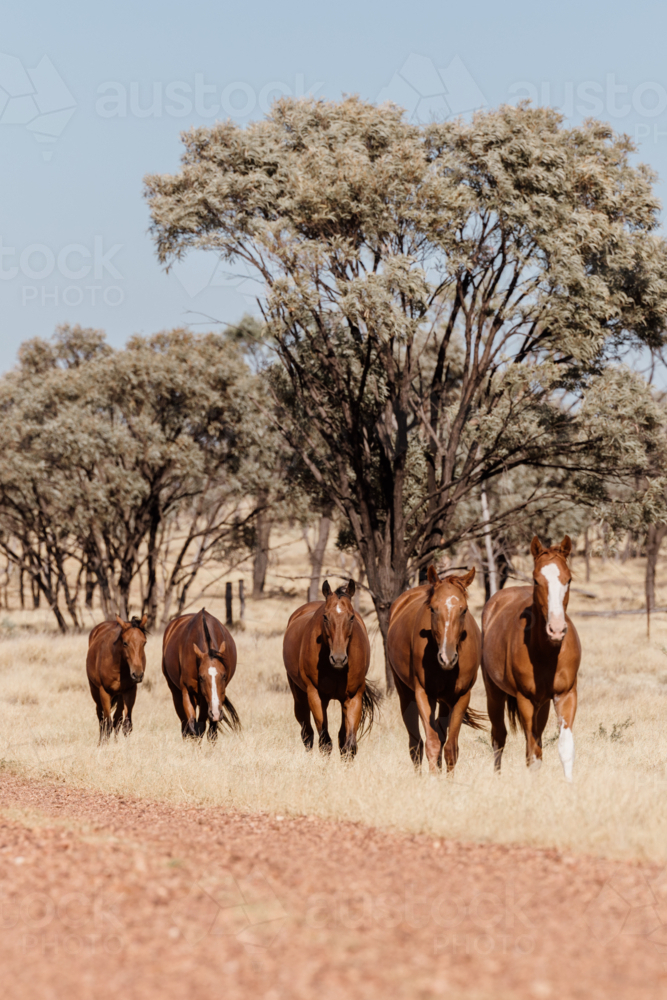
(179, 661)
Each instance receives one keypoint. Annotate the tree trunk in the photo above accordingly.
(654, 537)
(261, 560)
(488, 542)
(317, 557)
(587, 556)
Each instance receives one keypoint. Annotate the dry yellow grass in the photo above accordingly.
(617, 804)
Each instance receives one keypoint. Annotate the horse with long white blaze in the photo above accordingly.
(198, 662)
(327, 654)
(434, 647)
(531, 656)
(115, 664)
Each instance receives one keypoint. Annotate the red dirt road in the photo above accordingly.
(104, 897)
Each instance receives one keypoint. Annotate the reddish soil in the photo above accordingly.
(106, 897)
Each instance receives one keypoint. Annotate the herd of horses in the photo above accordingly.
(528, 650)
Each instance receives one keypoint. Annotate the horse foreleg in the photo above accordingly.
(527, 715)
(351, 717)
(319, 712)
(129, 697)
(495, 707)
(427, 707)
(189, 726)
(410, 716)
(566, 708)
(302, 714)
(105, 716)
(455, 723)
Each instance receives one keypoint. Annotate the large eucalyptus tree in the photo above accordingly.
(448, 302)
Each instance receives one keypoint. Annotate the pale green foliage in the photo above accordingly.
(126, 462)
(445, 301)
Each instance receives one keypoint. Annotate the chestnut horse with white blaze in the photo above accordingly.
(531, 656)
(198, 662)
(115, 664)
(327, 654)
(434, 648)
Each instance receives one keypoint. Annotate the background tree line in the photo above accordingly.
(447, 356)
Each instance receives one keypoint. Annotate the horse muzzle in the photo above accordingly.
(213, 716)
(137, 678)
(338, 660)
(448, 663)
(556, 631)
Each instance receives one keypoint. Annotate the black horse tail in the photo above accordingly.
(370, 706)
(475, 719)
(512, 712)
(232, 719)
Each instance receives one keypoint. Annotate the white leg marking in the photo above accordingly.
(215, 701)
(566, 750)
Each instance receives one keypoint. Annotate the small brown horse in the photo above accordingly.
(198, 662)
(115, 664)
(327, 654)
(531, 656)
(434, 648)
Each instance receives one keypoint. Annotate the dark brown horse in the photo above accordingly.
(199, 661)
(434, 648)
(115, 664)
(531, 657)
(327, 654)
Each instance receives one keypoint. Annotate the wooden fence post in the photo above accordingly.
(228, 602)
(241, 601)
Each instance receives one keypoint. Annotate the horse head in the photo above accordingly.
(338, 621)
(447, 601)
(133, 641)
(552, 576)
(212, 674)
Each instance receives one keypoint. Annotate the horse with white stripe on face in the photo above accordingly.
(198, 662)
(531, 655)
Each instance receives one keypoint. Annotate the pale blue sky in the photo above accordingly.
(73, 223)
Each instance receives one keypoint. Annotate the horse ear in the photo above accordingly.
(536, 547)
(432, 575)
(222, 647)
(198, 651)
(326, 589)
(351, 587)
(121, 622)
(566, 546)
(144, 619)
(468, 578)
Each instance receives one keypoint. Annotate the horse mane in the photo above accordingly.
(214, 654)
(342, 591)
(136, 623)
